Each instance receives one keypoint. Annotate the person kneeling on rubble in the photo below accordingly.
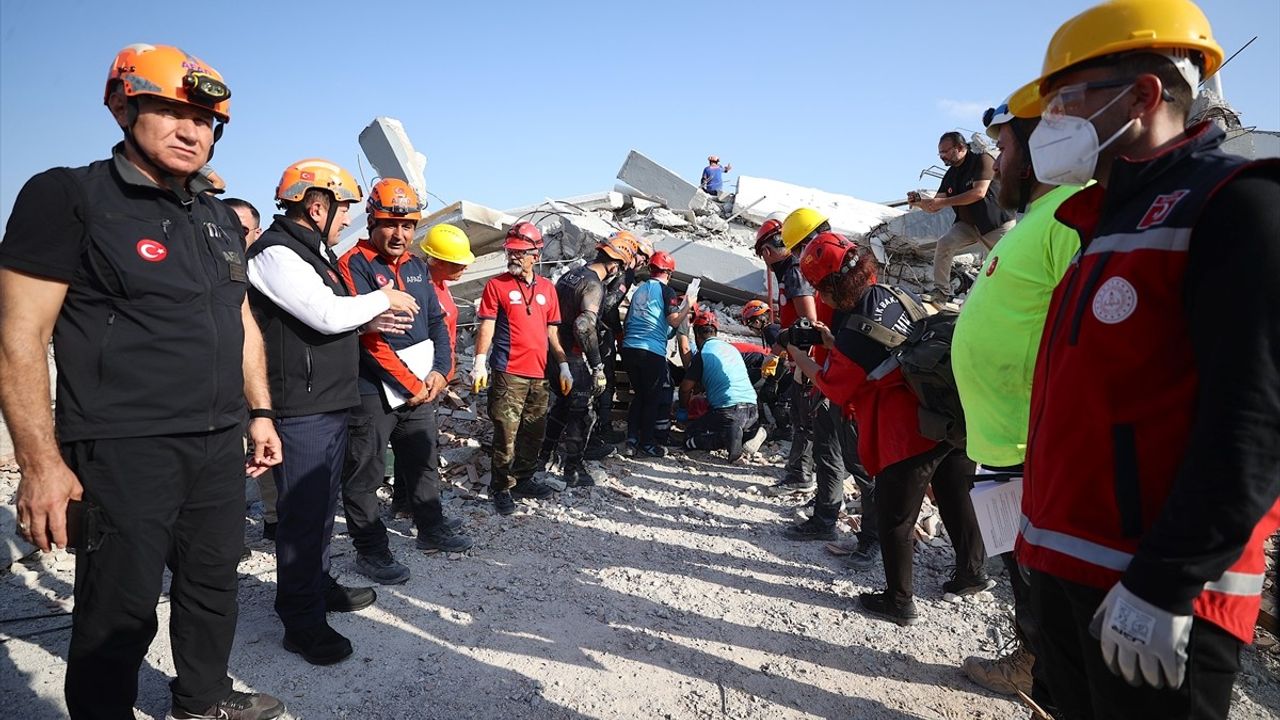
(903, 462)
(581, 292)
(719, 368)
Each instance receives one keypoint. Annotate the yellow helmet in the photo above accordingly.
(449, 243)
(799, 225)
(1121, 26)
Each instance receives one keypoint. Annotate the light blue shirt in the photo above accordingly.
(647, 327)
(724, 375)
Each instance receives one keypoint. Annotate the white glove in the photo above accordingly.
(479, 373)
(1140, 642)
(566, 379)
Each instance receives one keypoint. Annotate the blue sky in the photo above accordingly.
(516, 101)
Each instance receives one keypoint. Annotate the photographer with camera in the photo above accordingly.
(904, 462)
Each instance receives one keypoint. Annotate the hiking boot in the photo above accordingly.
(612, 436)
(630, 450)
(878, 604)
(443, 539)
(319, 645)
(340, 598)
(864, 558)
(790, 488)
(751, 445)
(1008, 674)
(578, 476)
(453, 523)
(811, 529)
(503, 502)
(269, 531)
(656, 451)
(531, 489)
(962, 587)
(236, 706)
(599, 451)
(381, 568)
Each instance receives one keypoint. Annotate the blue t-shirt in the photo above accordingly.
(713, 178)
(647, 327)
(721, 371)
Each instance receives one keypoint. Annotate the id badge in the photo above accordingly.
(235, 266)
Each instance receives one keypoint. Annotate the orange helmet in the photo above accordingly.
(167, 72)
(393, 199)
(622, 249)
(643, 246)
(316, 173)
(523, 236)
(754, 309)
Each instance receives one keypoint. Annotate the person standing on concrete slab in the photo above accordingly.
(251, 226)
(795, 301)
(1152, 473)
(713, 176)
(890, 445)
(968, 190)
(138, 275)
(580, 293)
(398, 389)
(719, 369)
(993, 356)
(518, 312)
(310, 321)
(654, 312)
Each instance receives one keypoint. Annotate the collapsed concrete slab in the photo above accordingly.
(656, 182)
(758, 198)
(387, 146)
(485, 226)
(726, 276)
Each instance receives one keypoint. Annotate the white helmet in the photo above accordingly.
(994, 117)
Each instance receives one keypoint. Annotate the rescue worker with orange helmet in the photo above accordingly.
(398, 388)
(1152, 475)
(581, 293)
(519, 317)
(604, 438)
(310, 319)
(888, 441)
(137, 272)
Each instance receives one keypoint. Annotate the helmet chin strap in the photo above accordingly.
(328, 222)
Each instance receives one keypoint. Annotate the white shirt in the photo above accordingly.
(288, 281)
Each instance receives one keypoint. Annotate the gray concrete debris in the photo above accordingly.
(758, 198)
(485, 226)
(389, 150)
(726, 276)
(664, 218)
(657, 182)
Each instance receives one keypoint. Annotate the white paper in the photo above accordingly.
(998, 506)
(420, 357)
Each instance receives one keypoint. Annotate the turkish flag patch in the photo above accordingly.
(151, 251)
(382, 280)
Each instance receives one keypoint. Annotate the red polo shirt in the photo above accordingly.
(521, 313)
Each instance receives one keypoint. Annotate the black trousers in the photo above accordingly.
(649, 417)
(899, 490)
(168, 501)
(411, 430)
(572, 417)
(723, 428)
(800, 458)
(603, 402)
(315, 448)
(835, 455)
(1084, 689)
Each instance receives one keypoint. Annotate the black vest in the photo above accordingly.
(309, 372)
(150, 339)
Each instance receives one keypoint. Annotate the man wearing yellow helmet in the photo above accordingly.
(138, 274)
(1152, 477)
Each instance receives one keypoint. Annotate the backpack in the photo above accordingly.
(925, 358)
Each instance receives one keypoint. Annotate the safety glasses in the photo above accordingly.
(1069, 99)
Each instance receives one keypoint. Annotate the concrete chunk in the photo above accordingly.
(657, 182)
(726, 276)
(485, 226)
(758, 198)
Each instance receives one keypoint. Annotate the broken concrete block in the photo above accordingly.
(758, 198)
(664, 218)
(714, 223)
(485, 226)
(726, 276)
(389, 150)
(660, 183)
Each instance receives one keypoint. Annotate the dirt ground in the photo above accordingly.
(666, 593)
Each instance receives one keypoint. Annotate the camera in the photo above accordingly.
(802, 334)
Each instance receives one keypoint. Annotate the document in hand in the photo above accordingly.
(419, 357)
(998, 505)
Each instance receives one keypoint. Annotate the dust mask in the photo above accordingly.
(1064, 148)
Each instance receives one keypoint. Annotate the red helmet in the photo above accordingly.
(706, 318)
(768, 231)
(523, 236)
(754, 309)
(662, 260)
(826, 254)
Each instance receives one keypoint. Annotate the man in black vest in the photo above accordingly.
(138, 273)
(310, 322)
(967, 190)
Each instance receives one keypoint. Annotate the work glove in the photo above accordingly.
(599, 381)
(1140, 642)
(770, 366)
(479, 373)
(566, 379)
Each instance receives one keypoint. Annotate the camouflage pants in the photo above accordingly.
(518, 408)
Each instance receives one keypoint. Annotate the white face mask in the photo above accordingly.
(1064, 148)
